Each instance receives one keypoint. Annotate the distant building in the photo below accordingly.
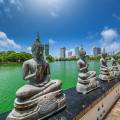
(77, 52)
(62, 52)
(103, 51)
(70, 53)
(96, 51)
(46, 49)
(111, 53)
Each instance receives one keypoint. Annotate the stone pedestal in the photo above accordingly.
(38, 108)
(115, 71)
(85, 86)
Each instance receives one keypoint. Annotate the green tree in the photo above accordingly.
(50, 58)
(12, 56)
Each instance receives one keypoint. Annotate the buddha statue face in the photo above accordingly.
(37, 50)
(104, 55)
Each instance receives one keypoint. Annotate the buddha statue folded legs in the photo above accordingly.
(86, 79)
(27, 91)
(41, 97)
(115, 68)
(105, 71)
(39, 107)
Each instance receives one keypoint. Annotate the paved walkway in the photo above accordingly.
(115, 112)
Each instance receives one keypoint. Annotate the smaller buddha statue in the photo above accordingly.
(87, 80)
(41, 97)
(115, 68)
(105, 71)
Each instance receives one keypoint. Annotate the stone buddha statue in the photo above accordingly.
(86, 79)
(115, 68)
(41, 97)
(105, 72)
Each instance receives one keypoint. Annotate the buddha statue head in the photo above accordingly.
(104, 55)
(82, 53)
(37, 49)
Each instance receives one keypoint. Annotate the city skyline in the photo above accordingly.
(74, 52)
(60, 23)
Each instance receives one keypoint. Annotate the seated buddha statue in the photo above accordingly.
(105, 72)
(115, 68)
(86, 79)
(40, 97)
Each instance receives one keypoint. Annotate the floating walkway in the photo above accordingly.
(92, 106)
(114, 114)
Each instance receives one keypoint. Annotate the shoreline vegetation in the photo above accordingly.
(11, 63)
(12, 57)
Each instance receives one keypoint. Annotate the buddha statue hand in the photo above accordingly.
(38, 71)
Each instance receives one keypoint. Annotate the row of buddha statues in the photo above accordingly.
(41, 97)
(87, 80)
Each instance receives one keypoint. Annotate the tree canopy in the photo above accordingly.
(12, 56)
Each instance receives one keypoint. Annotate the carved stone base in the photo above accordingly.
(46, 106)
(116, 71)
(86, 88)
(116, 74)
(106, 78)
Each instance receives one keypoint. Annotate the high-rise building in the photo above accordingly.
(70, 54)
(96, 51)
(62, 52)
(77, 52)
(46, 49)
(103, 51)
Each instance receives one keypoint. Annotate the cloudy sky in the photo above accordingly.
(68, 23)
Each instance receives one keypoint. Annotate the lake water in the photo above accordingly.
(11, 79)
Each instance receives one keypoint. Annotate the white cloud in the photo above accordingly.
(110, 40)
(115, 46)
(29, 49)
(116, 16)
(109, 34)
(2, 1)
(7, 6)
(54, 14)
(55, 7)
(13, 2)
(51, 41)
(7, 43)
(17, 4)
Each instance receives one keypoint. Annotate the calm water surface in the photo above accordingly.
(11, 79)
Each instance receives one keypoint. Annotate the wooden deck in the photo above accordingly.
(114, 114)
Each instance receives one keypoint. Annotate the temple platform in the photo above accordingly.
(92, 106)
